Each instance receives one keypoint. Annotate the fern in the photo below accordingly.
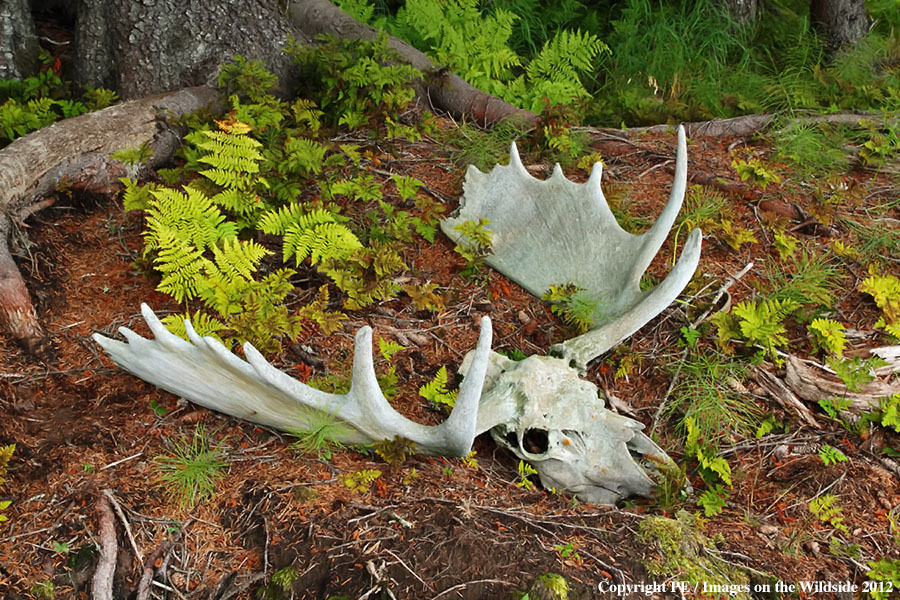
(885, 290)
(315, 234)
(204, 324)
(182, 265)
(436, 390)
(826, 509)
(758, 323)
(829, 335)
(190, 215)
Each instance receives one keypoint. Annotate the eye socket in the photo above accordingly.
(536, 441)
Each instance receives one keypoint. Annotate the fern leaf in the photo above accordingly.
(182, 266)
(204, 324)
(238, 259)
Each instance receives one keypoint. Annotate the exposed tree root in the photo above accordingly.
(74, 155)
(102, 585)
(740, 126)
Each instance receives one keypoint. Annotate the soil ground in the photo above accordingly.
(428, 528)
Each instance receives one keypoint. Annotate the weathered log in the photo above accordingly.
(813, 384)
(75, 154)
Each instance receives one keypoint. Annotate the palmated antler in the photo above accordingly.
(206, 373)
(556, 231)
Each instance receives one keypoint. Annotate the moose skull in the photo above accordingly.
(545, 232)
(541, 411)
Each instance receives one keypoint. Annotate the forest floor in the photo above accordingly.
(432, 528)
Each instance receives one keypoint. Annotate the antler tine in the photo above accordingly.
(654, 237)
(206, 373)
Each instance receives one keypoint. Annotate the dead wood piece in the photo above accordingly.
(102, 585)
(144, 586)
(743, 126)
(813, 385)
(784, 396)
(75, 154)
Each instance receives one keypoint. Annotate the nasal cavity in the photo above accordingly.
(535, 441)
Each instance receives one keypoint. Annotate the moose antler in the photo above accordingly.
(206, 373)
(556, 231)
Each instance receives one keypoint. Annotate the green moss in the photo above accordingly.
(683, 553)
(548, 586)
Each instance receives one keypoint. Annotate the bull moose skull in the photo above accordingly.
(544, 233)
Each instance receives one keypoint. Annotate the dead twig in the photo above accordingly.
(102, 585)
(137, 553)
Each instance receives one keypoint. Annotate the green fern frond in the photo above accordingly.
(276, 222)
(204, 324)
(189, 215)
(318, 242)
(238, 259)
(181, 264)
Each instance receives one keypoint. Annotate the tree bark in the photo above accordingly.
(143, 48)
(842, 23)
(18, 41)
(743, 12)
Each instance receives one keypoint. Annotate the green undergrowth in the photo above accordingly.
(43, 98)
(263, 198)
(607, 57)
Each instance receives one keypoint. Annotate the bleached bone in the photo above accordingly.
(555, 231)
(206, 373)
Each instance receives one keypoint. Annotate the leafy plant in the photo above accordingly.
(855, 372)
(396, 450)
(884, 571)
(475, 45)
(188, 475)
(436, 390)
(568, 552)
(889, 407)
(827, 510)
(829, 336)
(525, 471)
(711, 467)
(759, 323)
(755, 171)
(361, 481)
(831, 455)
(476, 245)
(320, 436)
(713, 500)
(885, 290)
(702, 393)
(574, 305)
(6, 453)
(356, 82)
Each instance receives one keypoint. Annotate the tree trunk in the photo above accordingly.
(742, 11)
(18, 41)
(842, 23)
(143, 48)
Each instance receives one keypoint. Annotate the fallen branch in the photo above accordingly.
(102, 585)
(143, 589)
(814, 385)
(742, 126)
(75, 154)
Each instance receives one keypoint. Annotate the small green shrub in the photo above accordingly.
(188, 475)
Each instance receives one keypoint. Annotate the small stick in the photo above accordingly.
(102, 585)
(108, 493)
